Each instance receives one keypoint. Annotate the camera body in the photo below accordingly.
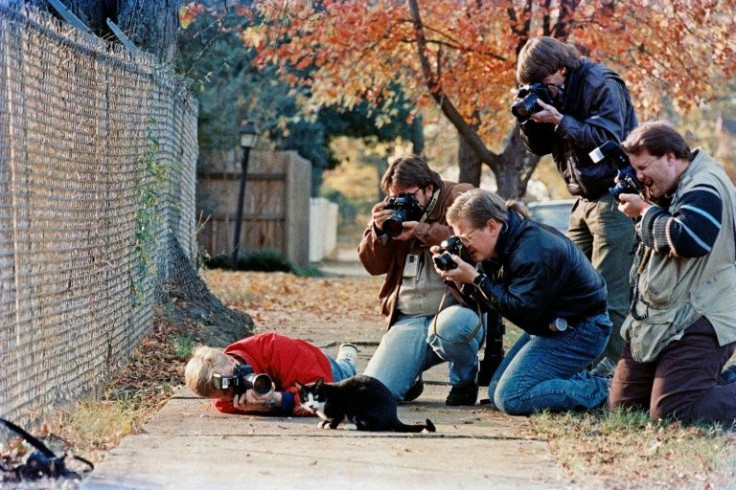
(406, 208)
(452, 246)
(526, 100)
(627, 181)
(243, 379)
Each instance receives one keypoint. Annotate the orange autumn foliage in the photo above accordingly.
(678, 48)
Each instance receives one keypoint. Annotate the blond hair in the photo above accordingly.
(477, 206)
(200, 370)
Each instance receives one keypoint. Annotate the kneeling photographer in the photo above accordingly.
(539, 280)
(258, 374)
(681, 328)
(396, 243)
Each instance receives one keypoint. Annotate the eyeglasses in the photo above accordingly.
(413, 194)
(467, 238)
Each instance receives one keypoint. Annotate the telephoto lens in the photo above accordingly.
(261, 383)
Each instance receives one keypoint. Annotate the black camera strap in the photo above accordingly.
(469, 337)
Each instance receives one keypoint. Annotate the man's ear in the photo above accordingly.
(494, 226)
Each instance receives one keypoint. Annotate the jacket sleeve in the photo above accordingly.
(375, 251)
(606, 117)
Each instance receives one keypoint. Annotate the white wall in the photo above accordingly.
(323, 215)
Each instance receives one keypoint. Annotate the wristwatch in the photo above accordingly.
(271, 403)
(478, 279)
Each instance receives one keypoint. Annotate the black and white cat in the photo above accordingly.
(362, 400)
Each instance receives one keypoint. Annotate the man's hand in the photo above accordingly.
(250, 401)
(379, 214)
(548, 114)
(408, 233)
(632, 205)
(463, 273)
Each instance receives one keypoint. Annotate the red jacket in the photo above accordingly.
(285, 360)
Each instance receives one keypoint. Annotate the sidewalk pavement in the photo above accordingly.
(188, 444)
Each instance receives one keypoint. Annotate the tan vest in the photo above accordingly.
(675, 291)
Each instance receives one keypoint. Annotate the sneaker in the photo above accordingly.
(415, 390)
(349, 353)
(462, 395)
(604, 369)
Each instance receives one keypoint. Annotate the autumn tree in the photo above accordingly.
(222, 75)
(461, 55)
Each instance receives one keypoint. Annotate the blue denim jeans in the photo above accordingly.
(411, 346)
(341, 369)
(549, 373)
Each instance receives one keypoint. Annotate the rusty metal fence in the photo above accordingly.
(98, 154)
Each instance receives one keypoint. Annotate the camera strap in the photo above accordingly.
(430, 207)
(469, 337)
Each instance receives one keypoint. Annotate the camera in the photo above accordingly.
(406, 208)
(627, 181)
(243, 379)
(526, 100)
(451, 246)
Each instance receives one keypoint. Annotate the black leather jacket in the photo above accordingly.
(596, 108)
(539, 275)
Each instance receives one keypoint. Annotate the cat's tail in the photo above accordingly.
(402, 427)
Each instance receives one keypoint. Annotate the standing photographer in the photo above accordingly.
(284, 359)
(681, 330)
(583, 104)
(396, 243)
(539, 280)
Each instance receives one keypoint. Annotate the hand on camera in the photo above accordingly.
(463, 273)
(251, 401)
(632, 205)
(548, 114)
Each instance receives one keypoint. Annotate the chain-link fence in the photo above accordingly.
(98, 152)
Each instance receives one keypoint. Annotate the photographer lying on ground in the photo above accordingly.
(396, 243)
(574, 106)
(681, 329)
(234, 379)
(539, 280)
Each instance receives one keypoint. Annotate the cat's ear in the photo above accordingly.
(319, 382)
(298, 385)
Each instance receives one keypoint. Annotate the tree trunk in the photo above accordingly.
(152, 25)
(470, 164)
(514, 167)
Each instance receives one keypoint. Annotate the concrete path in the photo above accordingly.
(190, 445)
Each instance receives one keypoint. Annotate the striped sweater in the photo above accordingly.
(693, 228)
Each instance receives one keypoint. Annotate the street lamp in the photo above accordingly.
(248, 136)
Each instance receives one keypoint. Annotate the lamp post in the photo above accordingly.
(248, 136)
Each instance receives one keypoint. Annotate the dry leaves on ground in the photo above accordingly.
(274, 299)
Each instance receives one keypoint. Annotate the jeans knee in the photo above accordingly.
(510, 402)
(455, 324)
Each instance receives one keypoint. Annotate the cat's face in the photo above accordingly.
(312, 396)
